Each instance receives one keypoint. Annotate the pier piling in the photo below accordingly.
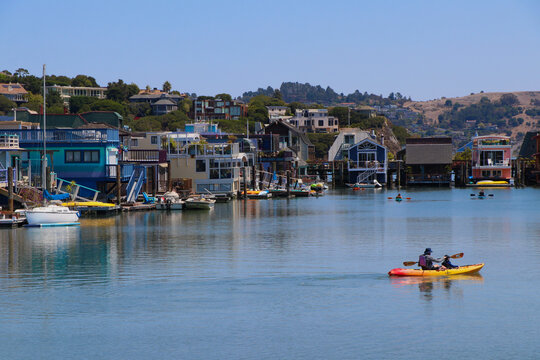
(118, 185)
(10, 188)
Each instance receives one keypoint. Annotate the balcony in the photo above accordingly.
(144, 156)
(490, 165)
(365, 165)
(65, 136)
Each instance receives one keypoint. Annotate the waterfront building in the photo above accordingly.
(66, 92)
(346, 138)
(212, 168)
(367, 161)
(212, 109)
(491, 158)
(81, 155)
(314, 121)
(9, 153)
(291, 138)
(14, 92)
(428, 161)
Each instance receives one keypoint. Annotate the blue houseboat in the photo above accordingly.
(86, 156)
(367, 162)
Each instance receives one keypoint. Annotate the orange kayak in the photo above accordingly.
(467, 269)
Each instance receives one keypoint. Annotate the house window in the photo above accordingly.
(134, 142)
(81, 156)
(153, 140)
(349, 139)
(200, 166)
(321, 122)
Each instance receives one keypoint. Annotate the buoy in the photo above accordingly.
(408, 198)
(389, 198)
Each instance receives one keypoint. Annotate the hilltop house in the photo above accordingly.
(212, 109)
(277, 113)
(14, 92)
(160, 101)
(66, 92)
(315, 121)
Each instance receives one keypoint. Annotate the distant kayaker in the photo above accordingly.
(481, 193)
(426, 261)
(447, 264)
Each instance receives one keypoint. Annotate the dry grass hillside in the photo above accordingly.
(433, 108)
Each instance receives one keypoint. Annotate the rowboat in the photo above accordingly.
(467, 269)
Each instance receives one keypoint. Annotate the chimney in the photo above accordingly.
(382, 139)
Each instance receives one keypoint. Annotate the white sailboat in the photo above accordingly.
(52, 213)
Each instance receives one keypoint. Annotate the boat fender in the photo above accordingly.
(78, 214)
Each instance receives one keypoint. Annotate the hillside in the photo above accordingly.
(511, 113)
(432, 109)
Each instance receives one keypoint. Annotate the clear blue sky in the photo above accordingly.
(424, 49)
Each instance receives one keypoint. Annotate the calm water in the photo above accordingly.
(278, 279)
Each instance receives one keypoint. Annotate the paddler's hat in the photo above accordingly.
(427, 251)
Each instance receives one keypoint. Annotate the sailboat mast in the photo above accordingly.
(44, 163)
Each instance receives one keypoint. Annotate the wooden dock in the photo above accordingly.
(138, 207)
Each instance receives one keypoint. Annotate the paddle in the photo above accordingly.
(455, 256)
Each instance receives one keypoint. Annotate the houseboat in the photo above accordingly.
(367, 162)
(491, 161)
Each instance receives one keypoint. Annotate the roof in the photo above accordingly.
(12, 89)
(528, 146)
(295, 130)
(429, 140)
(164, 102)
(429, 153)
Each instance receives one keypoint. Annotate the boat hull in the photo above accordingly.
(42, 217)
(467, 269)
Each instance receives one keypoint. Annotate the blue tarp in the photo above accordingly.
(49, 196)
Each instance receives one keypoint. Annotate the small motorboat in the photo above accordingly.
(372, 185)
(170, 201)
(199, 202)
(467, 269)
(258, 194)
(12, 220)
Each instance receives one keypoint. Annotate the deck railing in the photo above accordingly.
(65, 136)
(145, 156)
(125, 171)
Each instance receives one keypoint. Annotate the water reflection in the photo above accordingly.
(430, 286)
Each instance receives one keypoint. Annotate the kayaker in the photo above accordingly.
(447, 264)
(426, 261)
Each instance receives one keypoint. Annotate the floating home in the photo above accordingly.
(491, 158)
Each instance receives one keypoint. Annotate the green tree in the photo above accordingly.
(140, 109)
(6, 104)
(54, 98)
(277, 94)
(509, 100)
(464, 155)
(20, 72)
(77, 103)
(108, 105)
(84, 80)
(35, 101)
(167, 87)
(120, 91)
(224, 97)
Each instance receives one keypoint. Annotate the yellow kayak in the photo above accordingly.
(87, 204)
(467, 269)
